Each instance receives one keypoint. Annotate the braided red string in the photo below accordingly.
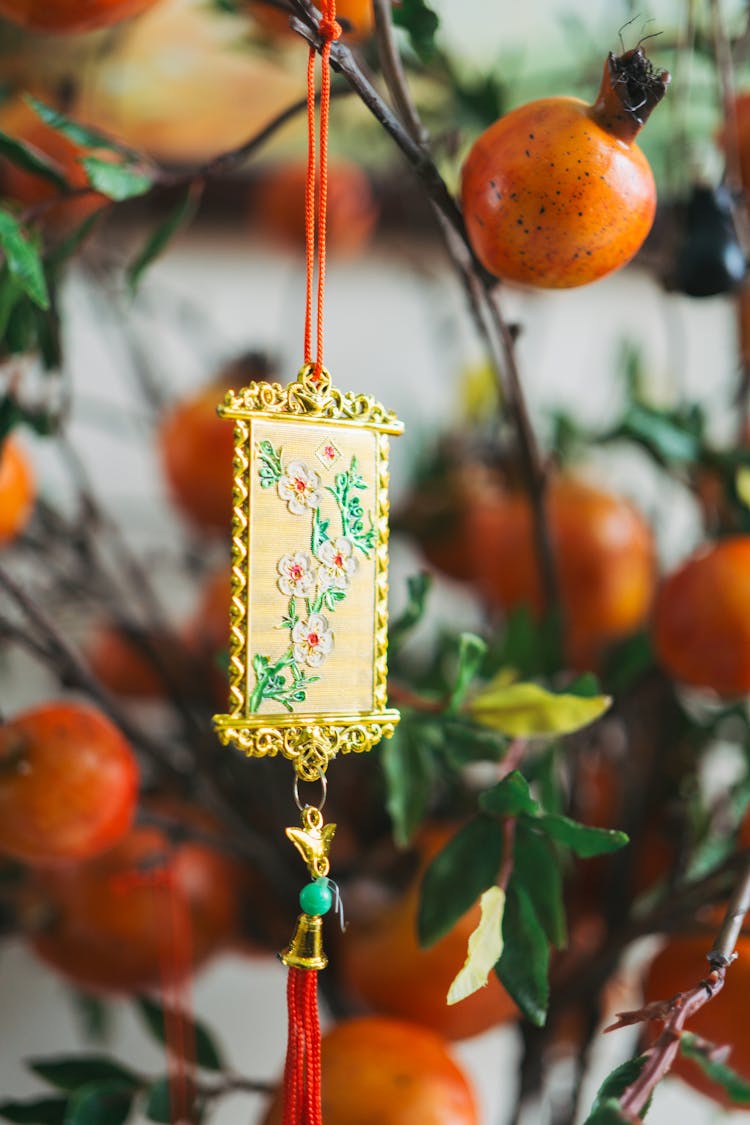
(302, 1073)
(316, 219)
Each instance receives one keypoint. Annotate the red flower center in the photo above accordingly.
(296, 572)
(299, 484)
(313, 639)
(338, 560)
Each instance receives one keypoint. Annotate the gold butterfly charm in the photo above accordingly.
(313, 841)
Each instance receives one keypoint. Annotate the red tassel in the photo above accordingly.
(302, 1099)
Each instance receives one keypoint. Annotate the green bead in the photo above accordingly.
(316, 898)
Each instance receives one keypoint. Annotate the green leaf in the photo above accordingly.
(93, 1014)
(627, 663)
(116, 181)
(698, 1051)
(33, 160)
(580, 838)
(21, 329)
(207, 1053)
(418, 587)
(523, 967)
(100, 1103)
(409, 770)
(509, 797)
(23, 259)
(527, 710)
(159, 239)
(537, 870)
(421, 24)
(457, 876)
(668, 439)
(608, 1113)
(157, 1107)
(471, 651)
(79, 134)
(615, 1085)
(464, 742)
(38, 1111)
(70, 1072)
(585, 685)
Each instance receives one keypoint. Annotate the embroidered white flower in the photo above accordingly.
(337, 563)
(296, 576)
(312, 640)
(300, 487)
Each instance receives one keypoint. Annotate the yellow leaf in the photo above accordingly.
(485, 947)
(528, 710)
(479, 395)
(742, 484)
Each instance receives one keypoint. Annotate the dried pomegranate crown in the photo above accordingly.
(637, 83)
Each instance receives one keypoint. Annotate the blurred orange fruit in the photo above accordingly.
(355, 16)
(701, 621)
(390, 1072)
(61, 16)
(17, 490)
(604, 555)
(278, 206)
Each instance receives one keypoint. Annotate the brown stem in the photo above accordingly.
(722, 951)
(663, 1053)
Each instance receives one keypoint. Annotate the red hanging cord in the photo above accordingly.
(302, 1074)
(316, 218)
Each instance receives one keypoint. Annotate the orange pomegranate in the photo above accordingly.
(390, 1072)
(355, 17)
(196, 446)
(278, 206)
(701, 622)
(62, 16)
(17, 490)
(557, 193)
(384, 967)
(723, 1020)
(68, 784)
(111, 922)
(603, 550)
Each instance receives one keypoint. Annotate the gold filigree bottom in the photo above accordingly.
(309, 744)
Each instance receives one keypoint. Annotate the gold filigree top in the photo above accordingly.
(313, 398)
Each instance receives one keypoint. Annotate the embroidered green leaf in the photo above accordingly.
(269, 468)
(457, 876)
(527, 710)
(485, 947)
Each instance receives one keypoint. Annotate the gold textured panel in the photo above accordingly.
(308, 618)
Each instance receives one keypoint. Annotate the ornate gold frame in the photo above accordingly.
(308, 740)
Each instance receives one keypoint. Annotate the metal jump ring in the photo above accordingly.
(324, 785)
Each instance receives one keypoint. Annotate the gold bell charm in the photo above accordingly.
(305, 951)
